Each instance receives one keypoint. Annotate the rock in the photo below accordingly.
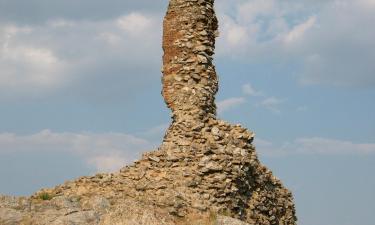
(76, 218)
(224, 220)
(215, 131)
(202, 59)
(203, 33)
(97, 203)
(189, 45)
(10, 216)
(213, 167)
(155, 159)
(178, 78)
(201, 48)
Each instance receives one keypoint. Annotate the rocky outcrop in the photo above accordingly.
(204, 168)
(63, 210)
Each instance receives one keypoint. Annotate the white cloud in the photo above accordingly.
(242, 27)
(104, 151)
(108, 163)
(314, 146)
(110, 38)
(233, 36)
(236, 35)
(331, 42)
(248, 11)
(23, 66)
(339, 50)
(319, 145)
(229, 103)
(134, 23)
(299, 30)
(272, 103)
(61, 55)
(248, 89)
(58, 23)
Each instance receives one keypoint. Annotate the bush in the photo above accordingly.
(45, 196)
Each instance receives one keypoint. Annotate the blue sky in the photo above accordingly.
(80, 93)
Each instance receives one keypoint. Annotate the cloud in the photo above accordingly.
(272, 103)
(23, 66)
(315, 146)
(104, 151)
(242, 27)
(40, 11)
(339, 50)
(108, 163)
(26, 67)
(248, 89)
(319, 145)
(110, 53)
(234, 34)
(134, 23)
(103, 59)
(229, 103)
(330, 42)
(249, 10)
(268, 102)
(299, 30)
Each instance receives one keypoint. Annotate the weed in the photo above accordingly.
(45, 196)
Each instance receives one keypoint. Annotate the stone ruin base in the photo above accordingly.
(213, 169)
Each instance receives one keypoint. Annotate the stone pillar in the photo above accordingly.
(189, 78)
(213, 163)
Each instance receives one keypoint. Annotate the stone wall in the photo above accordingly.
(189, 78)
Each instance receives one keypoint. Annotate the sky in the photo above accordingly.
(80, 93)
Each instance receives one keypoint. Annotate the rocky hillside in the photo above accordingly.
(206, 171)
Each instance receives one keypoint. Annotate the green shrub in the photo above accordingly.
(45, 196)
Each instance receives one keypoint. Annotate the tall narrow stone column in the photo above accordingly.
(218, 159)
(189, 77)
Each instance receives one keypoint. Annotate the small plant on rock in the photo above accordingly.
(45, 196)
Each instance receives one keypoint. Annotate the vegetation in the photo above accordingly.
(45, 196)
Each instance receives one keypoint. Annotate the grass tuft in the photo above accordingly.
(45, 196)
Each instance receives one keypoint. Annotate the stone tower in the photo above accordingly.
(189, 77)
(204, 165)
(219, 156)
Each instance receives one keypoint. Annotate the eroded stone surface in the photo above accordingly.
(204, 165)
(189, 78)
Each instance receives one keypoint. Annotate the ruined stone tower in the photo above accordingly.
(189, 77)
(203, 165)
(218, 156)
